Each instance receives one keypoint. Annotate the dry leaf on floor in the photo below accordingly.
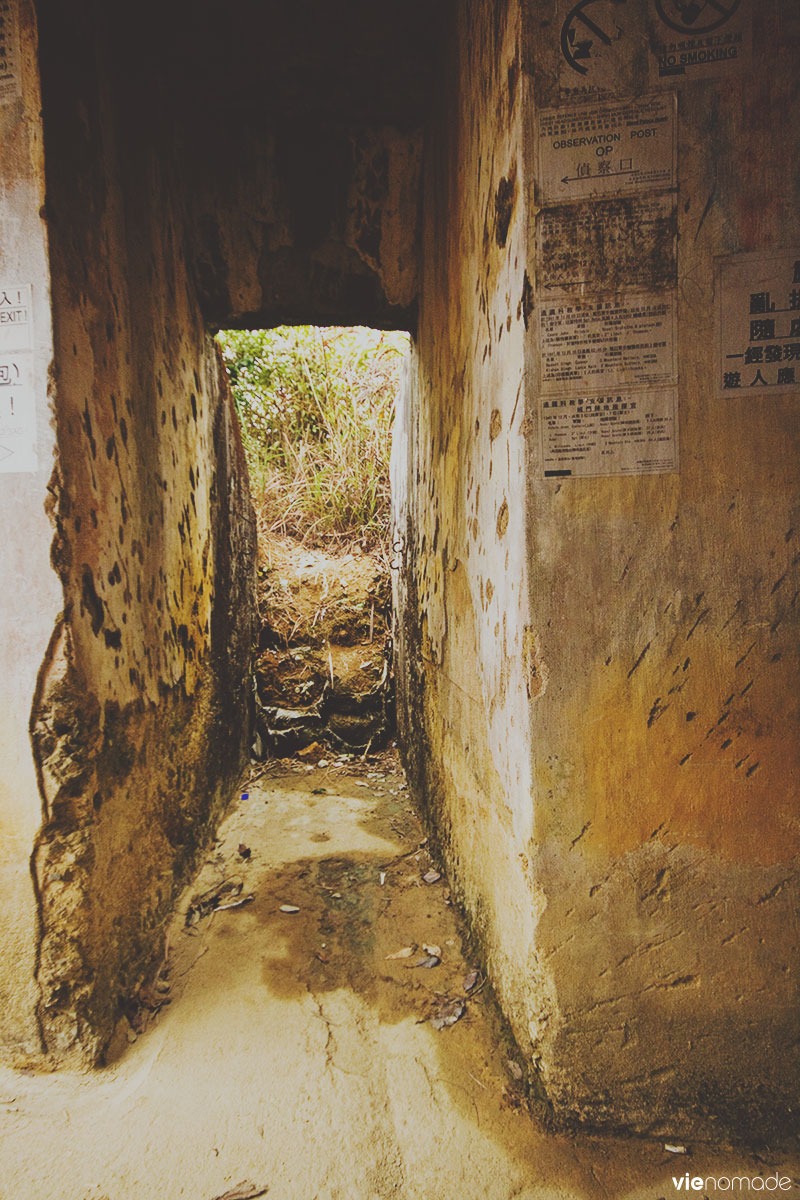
(434, 950)
(243, 1191)
(432, 876)
(447, 1014)
(406, 952)
(470, 980)
(289, 908)
(430, 961)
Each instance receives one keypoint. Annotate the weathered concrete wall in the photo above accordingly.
(468, 659)
(307, 231)
(604, 669)
(196, 175)
(31, 596)
(139, 719)
(315, 117)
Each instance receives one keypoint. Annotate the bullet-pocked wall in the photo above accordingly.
(468, 660)
(31, 596)
(596, 482)
(139, 723)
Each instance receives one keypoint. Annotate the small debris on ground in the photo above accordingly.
(243, 1191)
(470, 980)
(406, 952)
(429, 961)
(675, 1148)
(244, 851)
(222, 894)
(248, 899)
(289, 908)
(431, 876)
(447, 1014)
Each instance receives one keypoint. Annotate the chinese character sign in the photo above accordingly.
(758, 323)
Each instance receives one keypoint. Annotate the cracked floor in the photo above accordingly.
(298, 1056)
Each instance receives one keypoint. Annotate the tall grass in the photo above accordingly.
(316, 408)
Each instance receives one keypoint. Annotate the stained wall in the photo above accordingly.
(31, 596)
(599, 670)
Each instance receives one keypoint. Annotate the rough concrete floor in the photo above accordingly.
(297, 1060)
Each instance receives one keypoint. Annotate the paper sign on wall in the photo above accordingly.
(617, 433)
(607, 148)
(17, 390)
(10, 78)
(758, 323)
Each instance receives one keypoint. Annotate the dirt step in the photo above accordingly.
(324, 668)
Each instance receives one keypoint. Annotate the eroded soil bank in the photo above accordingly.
(324, 657)
(298, 1042)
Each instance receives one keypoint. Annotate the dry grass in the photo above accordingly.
(316, 407)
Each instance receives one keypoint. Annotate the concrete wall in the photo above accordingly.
(140, 722)
(31, 598)
(138, 717)
(599, 674)
(177, 181)
(467, 655)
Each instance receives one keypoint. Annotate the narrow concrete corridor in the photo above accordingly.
(297, 1056)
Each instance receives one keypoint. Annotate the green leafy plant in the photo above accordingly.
(316, 408)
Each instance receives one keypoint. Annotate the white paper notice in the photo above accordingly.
(17, 414)
(16, 325)
(758, 323)
(607, 148)
(627, 342)
(703, 39)
(610, 434)
(10, 80)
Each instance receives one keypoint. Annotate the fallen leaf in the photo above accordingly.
(675, 1149)
(470, 980)
(436, 951)
(406, 952)
(447, 1014)
(323, 956)
(289, 908)
(514, 1069)
(430, 961)
(432, 876)
(243, 1191)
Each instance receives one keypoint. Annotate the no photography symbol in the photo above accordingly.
(696, 16)
(586, 24)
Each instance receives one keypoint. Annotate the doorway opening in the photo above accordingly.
(316, 408)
